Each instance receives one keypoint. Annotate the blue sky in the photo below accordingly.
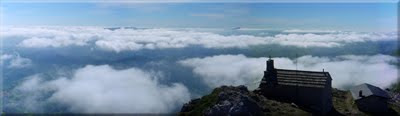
(326, 16)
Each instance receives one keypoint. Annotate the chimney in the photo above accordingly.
(360, 94)
(270, 64)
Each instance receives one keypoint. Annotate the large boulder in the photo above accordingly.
(225, 100)
(234, 101)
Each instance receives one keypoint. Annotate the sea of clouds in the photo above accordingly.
(158, 38)
(14, 61)
(105, 88)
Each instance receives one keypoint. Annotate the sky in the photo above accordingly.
(266, 15)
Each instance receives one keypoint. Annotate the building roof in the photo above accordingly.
(367, 90)
(303, 78)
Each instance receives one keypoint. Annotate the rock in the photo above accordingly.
(230, 100)
(188, 107)
(234, 101)
(227, 100)
(294, 105)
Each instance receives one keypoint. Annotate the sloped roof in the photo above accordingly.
(367, 90)
(302, 78)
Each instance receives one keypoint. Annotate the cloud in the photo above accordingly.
(32, 90)
(53, 42)
(227, 69)
(15, 61)
(331, 39)
(309, 31)
(5, 57)
(103, 89)
(346, 71)
(137, 39)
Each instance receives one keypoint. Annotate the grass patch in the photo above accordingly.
(203, 103)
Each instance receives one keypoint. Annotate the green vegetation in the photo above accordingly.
(395, 108)
(199, 105)
(343, 103)
(274, 108)
(395, 87)
(282, 109)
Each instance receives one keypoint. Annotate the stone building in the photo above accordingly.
(369, 98)
(308, 89)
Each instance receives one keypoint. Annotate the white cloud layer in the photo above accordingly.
(130, 39)
(15, 61)
(227, 69)
(309, 31)
(345, 70)
(103, 89)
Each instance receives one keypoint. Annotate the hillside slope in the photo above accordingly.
(239, 101)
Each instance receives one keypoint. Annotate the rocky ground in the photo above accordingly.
(229, 100)
(238, 101)
(344, 104)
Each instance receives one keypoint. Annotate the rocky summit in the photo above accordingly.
(235, 101)
(230, 100)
